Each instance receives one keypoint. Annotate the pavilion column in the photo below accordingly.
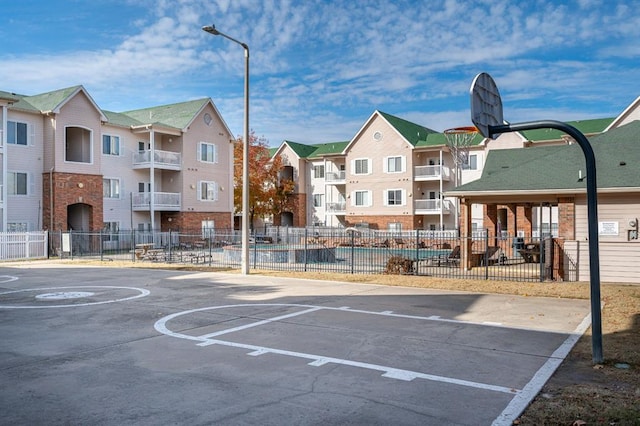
(490, 221)
(524, 215)
(567, 218)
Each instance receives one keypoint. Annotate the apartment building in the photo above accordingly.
(391, 175)
(67, 164)
(397, 175)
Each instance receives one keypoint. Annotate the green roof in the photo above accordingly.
(410, 131)
(177, 115)
(587, 127)
(315, 150)
(439, 139)
(617, 155)
(50, 100)
(119, 119)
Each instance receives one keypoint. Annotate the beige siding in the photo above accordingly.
(619, 262)
(26, 159)
(619, 258)
(79, 111)
(377, 181)
(194, 170)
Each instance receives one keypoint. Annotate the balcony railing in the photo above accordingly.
(335, 177)
(431, 172)
(162, 159)
(433, 206)
(168, 201)
(337, 208)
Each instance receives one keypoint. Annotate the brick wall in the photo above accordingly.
(566, 218)
(192, 221)
(69, 189)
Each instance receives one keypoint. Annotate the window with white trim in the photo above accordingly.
(110, 145)
(207, 152)
(394, 164)
(110, 231)
(317, 200)
(17, 133)
(208, 228)
(362, 198)
(18, 183)
(360, 166)
(318, 172)
(207, 191)
(470, 162)
(110, 188)
(393, 197)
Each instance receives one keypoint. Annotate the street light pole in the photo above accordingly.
(211, 29)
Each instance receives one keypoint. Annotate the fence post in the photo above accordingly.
(486, 254)
(305, 248)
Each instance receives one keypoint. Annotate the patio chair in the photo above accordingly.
(453, 258)
(493, 255)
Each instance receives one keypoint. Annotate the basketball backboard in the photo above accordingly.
(486, 104)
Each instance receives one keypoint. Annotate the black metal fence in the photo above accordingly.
(347, 251)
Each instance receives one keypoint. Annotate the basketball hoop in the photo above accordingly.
(458, 141)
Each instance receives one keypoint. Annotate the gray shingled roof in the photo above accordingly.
(617, 155)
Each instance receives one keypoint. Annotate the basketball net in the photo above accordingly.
(458, 141)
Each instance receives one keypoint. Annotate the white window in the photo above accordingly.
(393, 197)
(361, 198)
(144, 226)
(317, 200)
(360, 166)
(18, 183)
(110, 145)
(207, 191)
(111, 188)
(394, 226)
(318, 172)
(143, 146)
(208, 228)
(394, 164)
(17, 133)
(470, 162)
(207, 152)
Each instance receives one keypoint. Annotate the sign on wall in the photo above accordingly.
(608, 228)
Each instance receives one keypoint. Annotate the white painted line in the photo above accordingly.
(7, 279)
(142, 293)
(316, 360)
(386, 312)
(256, 324)
(531, 389)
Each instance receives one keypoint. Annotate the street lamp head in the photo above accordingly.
(211, 29)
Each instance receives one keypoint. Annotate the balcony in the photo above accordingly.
(433, 206)
(165, 201)
(335, 178)
(425, 173)
(167, 160)
(339, 209)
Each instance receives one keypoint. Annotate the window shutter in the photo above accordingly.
(199, 151)
(199, 190)
(32, 135)
(215, 189)
(385, 165)
(403, 162)
(215, 158)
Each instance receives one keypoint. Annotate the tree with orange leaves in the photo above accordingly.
(269, 194)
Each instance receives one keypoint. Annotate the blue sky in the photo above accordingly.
(319, 68)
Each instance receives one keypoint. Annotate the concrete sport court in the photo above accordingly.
(110, 346)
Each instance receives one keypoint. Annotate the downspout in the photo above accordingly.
(5, 165)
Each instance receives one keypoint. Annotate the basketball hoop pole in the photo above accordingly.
(592, 217)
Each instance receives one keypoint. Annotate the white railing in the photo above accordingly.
(433, 205)
(338, 176)
(431, 172)
(337, 207)
(161, 159)
(23, 245)
(161, 201)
